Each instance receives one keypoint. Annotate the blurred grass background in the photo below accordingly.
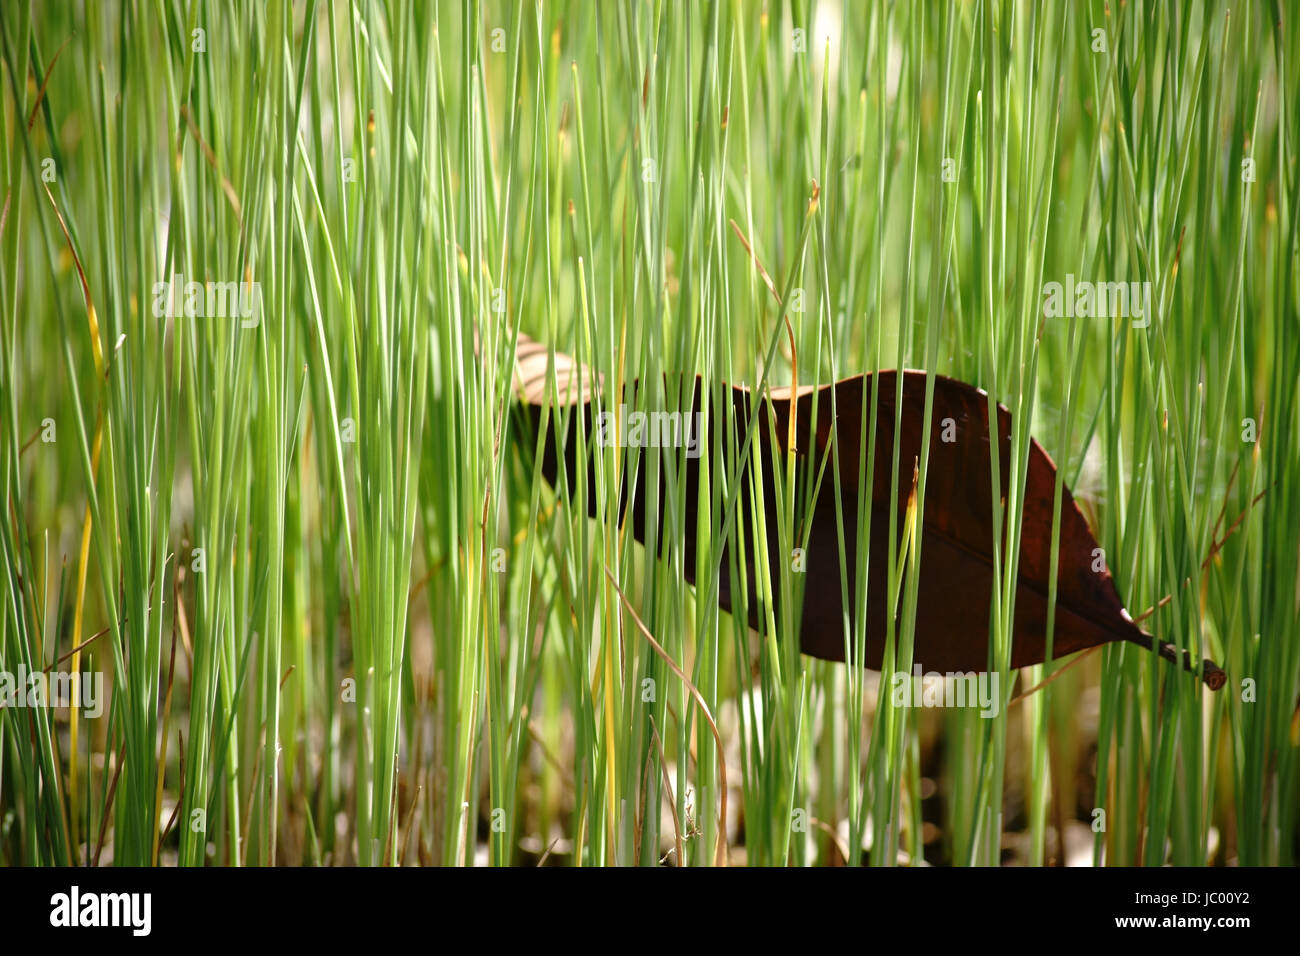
(342, 617)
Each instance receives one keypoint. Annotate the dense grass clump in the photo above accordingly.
(263, 272)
